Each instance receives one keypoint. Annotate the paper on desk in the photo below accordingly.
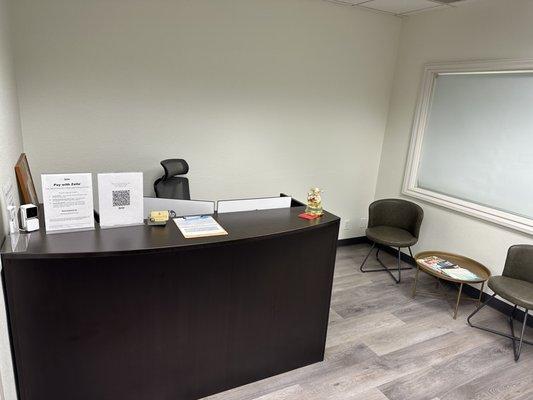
(68, 202)
(199, 226)
(120, 199)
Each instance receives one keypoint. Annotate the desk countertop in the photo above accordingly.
(249, 225)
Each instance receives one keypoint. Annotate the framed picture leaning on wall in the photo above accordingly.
(25, 181)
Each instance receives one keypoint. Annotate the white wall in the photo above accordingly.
(10, 134)
(10, 149)
(487, 29)
(258, 96)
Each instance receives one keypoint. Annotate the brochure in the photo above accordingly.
(461, 274)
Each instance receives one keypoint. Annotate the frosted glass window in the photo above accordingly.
(478, 140)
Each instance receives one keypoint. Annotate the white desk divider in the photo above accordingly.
(180, 207)
(266, 203)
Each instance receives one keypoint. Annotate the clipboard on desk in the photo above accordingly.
(199, 226)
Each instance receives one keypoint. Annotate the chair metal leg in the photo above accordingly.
(411, 253)
(520, 339)
(366, 258)
(512, 316)
(383, 266)
(519, 350)
(479, 309)
(399, 266)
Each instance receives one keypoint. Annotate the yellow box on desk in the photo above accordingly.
(158, 217)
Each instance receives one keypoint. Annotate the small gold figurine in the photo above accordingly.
(314, 202)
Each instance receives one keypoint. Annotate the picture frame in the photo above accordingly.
(28, 195)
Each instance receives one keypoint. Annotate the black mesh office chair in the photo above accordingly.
(516, 286)
(395, 223)
(171, 186)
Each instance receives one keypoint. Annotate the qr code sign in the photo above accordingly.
(121, 198)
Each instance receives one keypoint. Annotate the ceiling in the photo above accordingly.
(399, 7)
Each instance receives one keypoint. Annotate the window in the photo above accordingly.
(472, 142)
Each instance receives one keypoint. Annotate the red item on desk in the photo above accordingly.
(308, 216)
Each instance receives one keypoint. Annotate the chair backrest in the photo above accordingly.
(170, 186)
(396, 213)
(519, 262)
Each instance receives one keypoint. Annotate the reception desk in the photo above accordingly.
(140, 313)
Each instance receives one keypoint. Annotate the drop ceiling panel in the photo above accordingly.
(353, 2)
(398, 6)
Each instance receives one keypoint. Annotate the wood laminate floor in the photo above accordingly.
(382, 344)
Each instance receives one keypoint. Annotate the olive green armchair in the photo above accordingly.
(395, 223)
(516, 286)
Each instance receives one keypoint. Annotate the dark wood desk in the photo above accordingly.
(141, 313)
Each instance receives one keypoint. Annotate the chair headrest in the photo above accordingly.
(174, 166)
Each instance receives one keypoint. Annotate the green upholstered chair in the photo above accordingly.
(395, 223)
(516, 286)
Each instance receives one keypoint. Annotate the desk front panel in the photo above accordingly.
(176, 324)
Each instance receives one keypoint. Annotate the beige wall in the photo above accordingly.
(10, 135)
(258, 96)
(485, 29)
(10, 149)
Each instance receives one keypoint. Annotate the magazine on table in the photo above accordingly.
(448, 268)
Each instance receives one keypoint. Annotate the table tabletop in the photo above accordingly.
(472, 265)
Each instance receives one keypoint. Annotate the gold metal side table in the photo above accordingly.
(473, 266)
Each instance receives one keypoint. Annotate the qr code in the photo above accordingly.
(121, 198)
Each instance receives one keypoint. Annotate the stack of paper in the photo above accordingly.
(199, 226)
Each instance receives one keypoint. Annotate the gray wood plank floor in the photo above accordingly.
(384, 345)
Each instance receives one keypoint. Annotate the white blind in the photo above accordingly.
(478, 143)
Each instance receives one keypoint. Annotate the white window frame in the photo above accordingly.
(410, 188)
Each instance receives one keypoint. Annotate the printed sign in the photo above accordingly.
(68, 202)
(120, 198)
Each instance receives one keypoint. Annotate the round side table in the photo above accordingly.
(472, 265)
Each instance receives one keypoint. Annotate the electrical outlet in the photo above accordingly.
(364, 223)
(347, 225)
